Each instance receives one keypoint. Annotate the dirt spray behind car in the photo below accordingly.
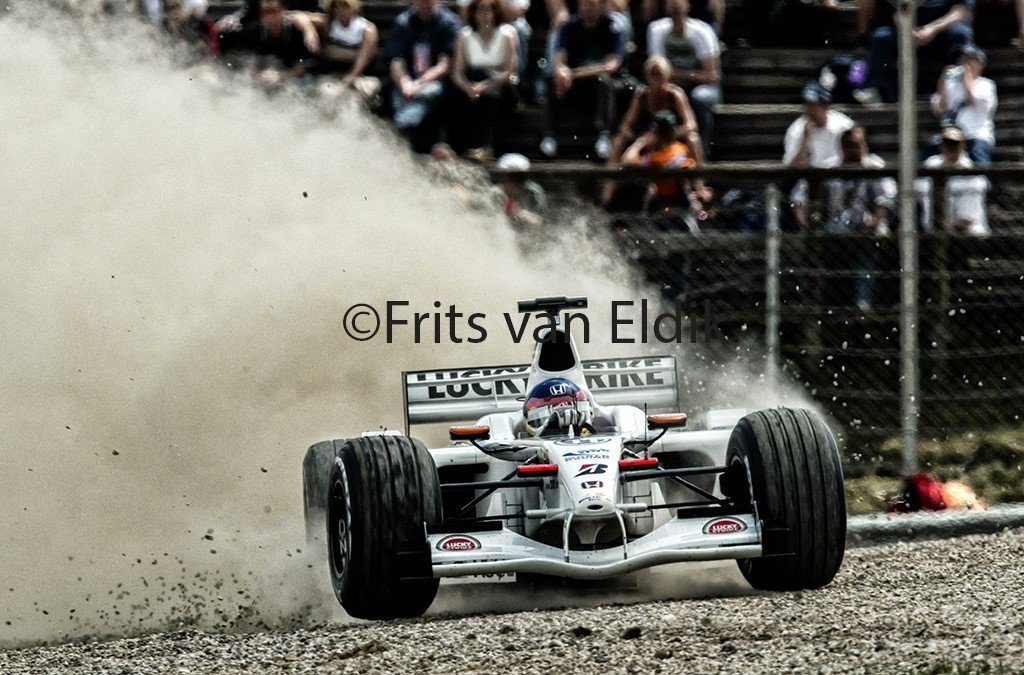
(177, 257)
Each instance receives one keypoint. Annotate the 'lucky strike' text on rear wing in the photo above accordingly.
(469, 393)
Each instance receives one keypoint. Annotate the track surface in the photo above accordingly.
(951, 605)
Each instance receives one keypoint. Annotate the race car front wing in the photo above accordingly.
(681, 539)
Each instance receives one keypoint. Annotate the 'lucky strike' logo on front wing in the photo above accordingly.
(458, 542)
(724, 526)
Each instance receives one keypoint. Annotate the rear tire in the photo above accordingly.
(787, 462)
(382, 493)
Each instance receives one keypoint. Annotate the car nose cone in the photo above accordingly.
(595, 506)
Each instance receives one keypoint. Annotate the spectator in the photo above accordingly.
(349, 45)
(964, 199)
(484, 74)
(523, 199)
(866, 207)
(859, 205)
(284, 44)
(558, 10)
(228, 28)
(944, 26)
(659, 94)
(662, 150)
(711, 12)
(588, 56)
(813, 140)
(968, 101)
(558, 13)
(692, 48)
(419, 51)
(514, 13)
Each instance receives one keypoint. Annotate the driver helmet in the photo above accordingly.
(556, 404)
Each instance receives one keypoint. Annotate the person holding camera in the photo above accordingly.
(966, 100)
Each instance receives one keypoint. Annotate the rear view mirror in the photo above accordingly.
(476, 432)
(666, 421)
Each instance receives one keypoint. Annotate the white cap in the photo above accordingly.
(513, 161)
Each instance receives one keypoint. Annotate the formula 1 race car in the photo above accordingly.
(563, 475)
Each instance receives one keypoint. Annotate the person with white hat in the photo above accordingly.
(523, 200)
(814, 140)
(964, 195)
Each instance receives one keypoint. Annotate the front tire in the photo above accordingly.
(382, 493)
(316, 471)
(786, 461)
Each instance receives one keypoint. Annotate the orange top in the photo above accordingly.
(675, 155)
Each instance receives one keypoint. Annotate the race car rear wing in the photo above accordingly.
(466, 394)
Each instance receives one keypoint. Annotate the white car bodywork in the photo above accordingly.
(590, 519)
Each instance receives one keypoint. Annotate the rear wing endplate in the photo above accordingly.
(466, 394)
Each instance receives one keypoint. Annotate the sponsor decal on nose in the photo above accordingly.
(593, 440)
(724, 526)
(580, 456)
(458, 542)
(591, 470)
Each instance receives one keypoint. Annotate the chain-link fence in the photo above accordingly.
(840, 321)
(805, 274)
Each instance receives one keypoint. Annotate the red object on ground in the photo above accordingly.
(926, 491)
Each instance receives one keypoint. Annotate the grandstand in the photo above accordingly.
(762, 88)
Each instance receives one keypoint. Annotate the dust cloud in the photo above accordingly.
(177, 253)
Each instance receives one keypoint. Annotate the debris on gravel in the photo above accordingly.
(631, 633)
(936, 606)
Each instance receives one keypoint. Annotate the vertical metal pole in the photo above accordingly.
(909, 380)
(773, 246)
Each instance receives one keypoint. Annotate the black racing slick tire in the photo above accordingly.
(383, 492)
(786, 461)
(316, 471)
